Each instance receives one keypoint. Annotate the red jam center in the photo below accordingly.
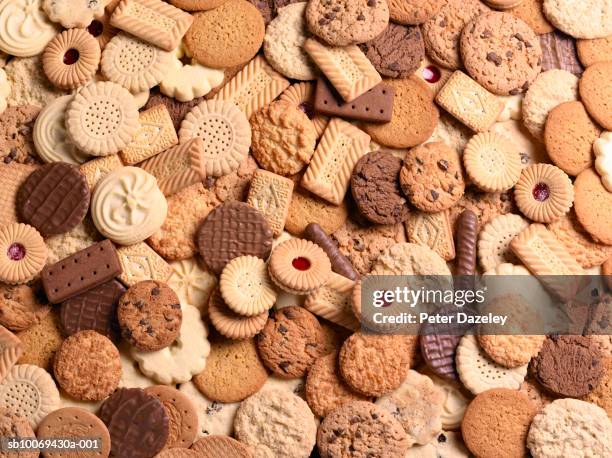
(432, 74)
(541, 192)
(301, 263)
(71, 56)
(16, 252)
(307, 108)
(95, 28)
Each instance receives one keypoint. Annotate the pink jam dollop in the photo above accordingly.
(16, 252)
(541, 192)
(301, 263)
(432, 74)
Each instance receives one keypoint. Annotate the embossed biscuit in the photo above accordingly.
(469, 102)
(155, 134)
(139, 262)
(329, 172)
(347, 68)
(432, 230)
(255, 86)
(271, 194)
(12, 176)
(154, 21)
(97, 168)
(178, 167)
(332, 301)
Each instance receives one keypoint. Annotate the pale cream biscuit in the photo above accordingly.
(192, 283)
(99, 167)
(271, 194)
(139, 262)
(25, 29)
(603, 159)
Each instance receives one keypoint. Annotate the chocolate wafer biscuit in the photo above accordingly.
(559, 51)
(80, 272)
(376, 105)
(95, 309)
(54, 198)
(339, 263)
(233, 229)
(137, 423)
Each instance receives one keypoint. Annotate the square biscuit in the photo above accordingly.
(271, 195)
(329, 172)
(97, 168)
(140, 262)
(469, 102)
(155, 134)
(432, 230)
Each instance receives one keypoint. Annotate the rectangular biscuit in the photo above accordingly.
(140, 262)
(155, 134)
(469, 102)
(271, 194)
(97, 168)
(376, 105)
(432, 230)
(153, 21)
(12, 176)
(548, 259)
(347, 68)
(178, 167)
(83, 270)
(253, 87)
(333, 302)
(339, 149)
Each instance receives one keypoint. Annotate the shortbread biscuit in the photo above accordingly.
(155, 134)
(246, 287)
(153, 21)
(347, 68)
(102, 119)
(127, 205)
(192, 282)
(329, 172)
(432, 230)
(271, 194)
(494, 240)
(178, 167)
(253, 87)
(469, 102)
(134, 64)
(225, 131)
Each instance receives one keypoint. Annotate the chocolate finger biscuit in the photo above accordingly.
(340, 263)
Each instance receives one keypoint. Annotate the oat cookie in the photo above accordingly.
(361, 428)
(150, 315)
(413, 11)
(127, 205)
(442, 32)
(498, 420)
(101, 119)
(414, 115)
(290, 342)
(175, 238)
(548, 90)
(569, 427)
(278, 420)
(588, 19)
(417, 404)
(486, 206)
(225, 131)
(342, 23)
(592, 205)
(494, 240)
(432, 177)
(246, 287)
(233, 371)
(87, 366)
(478, 373)
(325, 390)
(282, 120)
(283, 42)
(236, 27)
(501, 53)
(387, 358)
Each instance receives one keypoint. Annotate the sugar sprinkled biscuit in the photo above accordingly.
(588, 19)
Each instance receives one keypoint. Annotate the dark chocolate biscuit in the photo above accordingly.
(438, 351)
(466, 239)
(376, 105)
(340, 263)
(569, 366)
(95, 309)
(397, 52)
(150, 315)
(233, 229)
(80, 272)
(376, 189)
(54, 198)
(559, 51)
(137, 422)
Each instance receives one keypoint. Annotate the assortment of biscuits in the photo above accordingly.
(192, 193)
